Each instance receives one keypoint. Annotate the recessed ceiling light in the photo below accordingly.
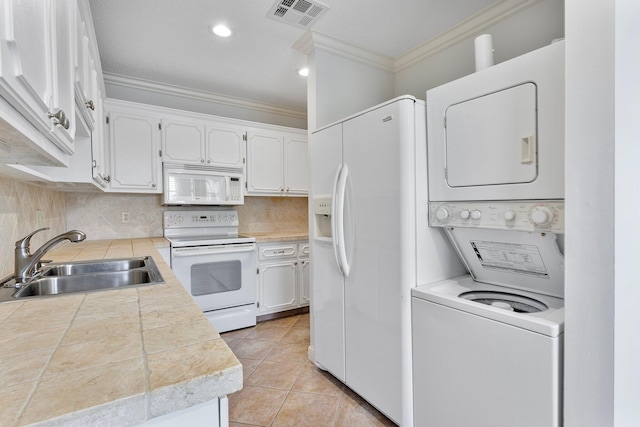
(221, 30)
(304, 72)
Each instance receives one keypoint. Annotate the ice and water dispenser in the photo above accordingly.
(322, 217)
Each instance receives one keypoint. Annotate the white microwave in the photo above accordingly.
(202, 185)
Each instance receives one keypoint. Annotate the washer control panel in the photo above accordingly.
(534, 215)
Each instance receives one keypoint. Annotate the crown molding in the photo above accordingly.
(311, 40)
(469, 27)
(167, 89)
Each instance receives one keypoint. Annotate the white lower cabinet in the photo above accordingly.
(283, 276)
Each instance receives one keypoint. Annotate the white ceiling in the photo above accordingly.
(168, 41)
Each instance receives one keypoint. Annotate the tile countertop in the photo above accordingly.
(280, 236)
(116, 357)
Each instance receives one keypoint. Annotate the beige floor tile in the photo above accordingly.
(356, 412)
(313, 380)
(239, 333)
(268, 332)
(285, 352)
(283, 322)
(275, 375)
(248, 366)
(254, 349)
(302, 321)
(303, 409)
(297, 335)
(255, 405)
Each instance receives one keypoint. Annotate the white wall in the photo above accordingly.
(341, 87)
(627, 208)
(602, 349)
(530, 29)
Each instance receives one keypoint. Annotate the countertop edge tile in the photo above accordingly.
(128, 411)
(174, 398)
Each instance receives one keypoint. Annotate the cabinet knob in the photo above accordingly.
(287, 189)
(201, 160)
(208, 160)
(89, 105)
(153, 185)
(59, 118)
(95, 164)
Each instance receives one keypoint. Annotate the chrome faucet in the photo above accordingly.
(27, 263)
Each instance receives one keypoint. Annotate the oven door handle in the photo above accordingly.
(184, 252)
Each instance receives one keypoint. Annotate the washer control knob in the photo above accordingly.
(509, 215)
(476, 214)
(541, 215)
(465, 214)
(443, 214)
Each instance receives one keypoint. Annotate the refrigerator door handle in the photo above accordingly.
(341, 195)
(334, 218)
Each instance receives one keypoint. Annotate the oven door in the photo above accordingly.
(218, 276)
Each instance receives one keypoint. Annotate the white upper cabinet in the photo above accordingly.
(296, 171)
(277, 163)
(134, 149)
(37, 48)
(225, 146)
(87, 86)
(183, 142)
(206, 143)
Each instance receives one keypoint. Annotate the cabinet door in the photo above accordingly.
(225, 147)
(36, 64)
(303, 283)
(183, 142)
(296, 171)
(277, 288)
(265, 163)
(100, 171)
(64, 68)
(134, 147)
(25, 63)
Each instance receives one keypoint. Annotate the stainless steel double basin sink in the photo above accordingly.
(89, 276)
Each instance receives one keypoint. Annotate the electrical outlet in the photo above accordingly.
(39, 219)
(124, 217)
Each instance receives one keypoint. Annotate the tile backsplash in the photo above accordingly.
(100, 214)
(25, 207)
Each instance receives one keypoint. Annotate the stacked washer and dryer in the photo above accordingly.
(487, 346)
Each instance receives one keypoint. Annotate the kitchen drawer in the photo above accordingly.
(303, 249)
(267, 252)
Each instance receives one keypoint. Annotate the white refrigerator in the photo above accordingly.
(370, 244)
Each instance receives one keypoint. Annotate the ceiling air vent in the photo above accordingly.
(301, 13)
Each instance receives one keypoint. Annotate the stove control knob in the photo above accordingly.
(443, 213)
(465, 214)
(509, 215)
(541, 215)
(476, 214)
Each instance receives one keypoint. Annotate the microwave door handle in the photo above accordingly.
(185, 252)
(227, 188)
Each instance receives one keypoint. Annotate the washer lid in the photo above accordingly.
(530, 261)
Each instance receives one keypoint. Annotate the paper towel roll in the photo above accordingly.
(484, 51)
